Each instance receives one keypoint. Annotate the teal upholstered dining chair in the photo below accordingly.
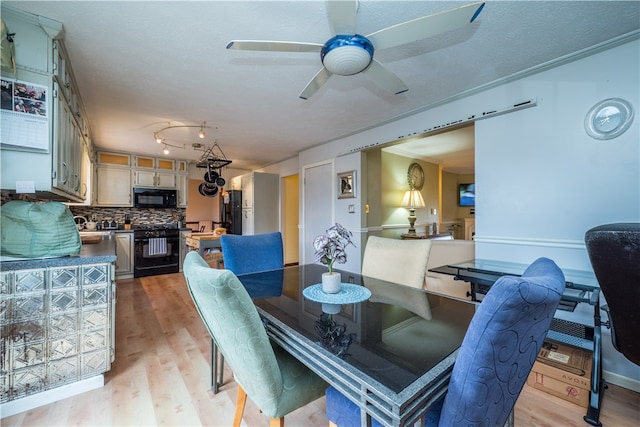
(243, 254)
(273, 379)
(496, 355)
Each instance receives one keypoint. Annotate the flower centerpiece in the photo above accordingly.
(331, 248)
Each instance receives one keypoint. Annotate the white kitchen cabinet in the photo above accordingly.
(183, 246)
(247, 222)
(247, 190)
(182, 166)
(236, 183)
(87, 171)
(124, 254)
(70, 131)
(114, 159)
(166, 180)
(183, 190)
(87, 182)
(54, 166)
(260, 203)
(113, 186)
(143, 162)
(154, 179)
(154, 172)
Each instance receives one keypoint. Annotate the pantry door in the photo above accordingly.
(318, 205)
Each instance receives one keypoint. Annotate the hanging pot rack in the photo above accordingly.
(212, 157)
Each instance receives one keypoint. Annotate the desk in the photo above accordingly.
(392, 378)
(581, 287)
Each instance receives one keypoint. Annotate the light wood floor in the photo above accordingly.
(161, 376)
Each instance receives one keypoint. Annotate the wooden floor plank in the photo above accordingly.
(161, 376)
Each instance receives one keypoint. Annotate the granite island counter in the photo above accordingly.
(57, 319)
(103, 251)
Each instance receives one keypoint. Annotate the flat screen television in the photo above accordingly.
(467, 194)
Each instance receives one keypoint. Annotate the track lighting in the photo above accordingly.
(159, 138)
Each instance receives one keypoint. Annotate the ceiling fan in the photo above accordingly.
(348, 53)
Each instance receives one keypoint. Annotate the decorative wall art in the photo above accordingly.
(347, 185)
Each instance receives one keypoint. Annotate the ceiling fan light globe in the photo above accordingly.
(346, 55)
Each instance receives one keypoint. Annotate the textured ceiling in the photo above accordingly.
(141, 65)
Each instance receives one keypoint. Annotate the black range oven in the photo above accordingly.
(156, 250)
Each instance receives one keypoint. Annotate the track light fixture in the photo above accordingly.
(159, 138)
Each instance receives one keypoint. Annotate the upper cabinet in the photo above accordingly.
(154, 172)
(113, 179)
(183, 190)
(114, 159)
(44, 142)
(132, 170)
(114, 186)
(182, 166)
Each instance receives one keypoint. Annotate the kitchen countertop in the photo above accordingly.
(103, 251)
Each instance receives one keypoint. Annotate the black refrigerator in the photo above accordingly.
(231, 212)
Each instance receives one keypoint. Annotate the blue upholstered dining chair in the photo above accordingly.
(252, 253)
(243, 254)
(273, 379)
(496, 355)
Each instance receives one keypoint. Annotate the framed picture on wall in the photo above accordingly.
(347, 185)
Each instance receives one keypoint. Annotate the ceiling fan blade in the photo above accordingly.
(342, 16)
(427, 26)
(274, 46)
(318, 80)
(384, 78)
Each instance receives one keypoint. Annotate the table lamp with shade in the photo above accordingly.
(412, 199)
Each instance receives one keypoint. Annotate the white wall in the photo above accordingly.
(541, 181)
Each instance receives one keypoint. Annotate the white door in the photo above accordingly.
(318, 202)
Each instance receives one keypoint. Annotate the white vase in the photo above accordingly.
(331, 282)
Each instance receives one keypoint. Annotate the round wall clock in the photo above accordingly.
(608, 119)
(415, 176)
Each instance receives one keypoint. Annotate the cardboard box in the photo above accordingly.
(563, 371)
(560, 389)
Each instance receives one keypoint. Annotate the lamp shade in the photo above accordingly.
(413, 199)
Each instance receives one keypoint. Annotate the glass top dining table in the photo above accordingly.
(392, 354)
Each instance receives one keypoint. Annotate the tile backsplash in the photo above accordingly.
(137, 216)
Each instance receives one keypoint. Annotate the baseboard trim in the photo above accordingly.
(619, 380)
(49, 396)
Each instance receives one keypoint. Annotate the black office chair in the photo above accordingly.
(614, 251)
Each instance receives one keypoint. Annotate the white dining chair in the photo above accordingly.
(402, 262)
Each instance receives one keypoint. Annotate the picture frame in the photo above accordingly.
(347, 185)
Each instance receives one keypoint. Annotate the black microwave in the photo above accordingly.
(154, 198)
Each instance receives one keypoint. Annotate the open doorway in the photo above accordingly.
(448, 160)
